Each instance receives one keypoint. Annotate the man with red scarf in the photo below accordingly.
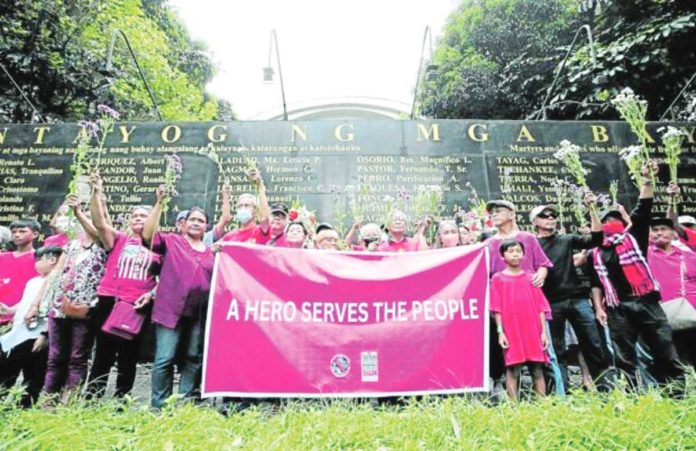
(631, 295)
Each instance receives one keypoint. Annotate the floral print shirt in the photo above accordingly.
(84, 268)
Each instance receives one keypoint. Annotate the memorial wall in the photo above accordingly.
(333, 167)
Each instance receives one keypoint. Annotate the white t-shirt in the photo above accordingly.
(19, 332)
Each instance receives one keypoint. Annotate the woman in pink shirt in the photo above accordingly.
(180, 302)
(129, 277)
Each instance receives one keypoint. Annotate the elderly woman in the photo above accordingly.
(178, 312)
(447, 235)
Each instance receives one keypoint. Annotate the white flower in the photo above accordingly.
(630, 153)
(435, 189)
(671, 132)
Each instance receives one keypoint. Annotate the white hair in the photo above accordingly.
(5, 235)
(251, 196)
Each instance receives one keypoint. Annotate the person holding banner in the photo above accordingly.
(180, 302)
(129, 278)
(398, 241)
(447, 235)
(520, 310)
(295, 236)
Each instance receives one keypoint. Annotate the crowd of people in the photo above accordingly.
(598, 298)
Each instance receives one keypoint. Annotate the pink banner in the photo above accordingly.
(308, 323)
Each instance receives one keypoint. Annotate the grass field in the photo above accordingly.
(583, 421)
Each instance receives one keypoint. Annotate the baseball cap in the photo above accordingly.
(279, 207)
(661, 220)
(324, 226)
(687, 220)
(539, 209)
(499, 203)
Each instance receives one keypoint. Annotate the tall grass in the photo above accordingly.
(582, 421)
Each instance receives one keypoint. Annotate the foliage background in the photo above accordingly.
(497, 58)
(57, 49)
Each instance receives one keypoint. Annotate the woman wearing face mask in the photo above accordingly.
(447, 235)
(129, 277)
(180, 302)
(71, 295)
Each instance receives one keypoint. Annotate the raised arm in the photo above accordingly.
(226, 211)
(75, 204)
(264, 211)
(107, 234)
(150, 226)
(350, 236)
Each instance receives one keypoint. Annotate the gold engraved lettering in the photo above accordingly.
(348, 136)
(299, 131)
(40, 132)
(126, 133)
(165, 134)
(478, 133)
(424, 134)
(524, 133)
(221, 137)
(600, 134)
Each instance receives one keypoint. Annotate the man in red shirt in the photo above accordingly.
(252, 215)
(17, 268)
(398, 241)
(674, 268)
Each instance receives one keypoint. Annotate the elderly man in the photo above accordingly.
(398, 241)
(674, 268)
(326, 237)
(252, 215)
(568, 298)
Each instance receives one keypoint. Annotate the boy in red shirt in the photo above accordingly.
(17, 267)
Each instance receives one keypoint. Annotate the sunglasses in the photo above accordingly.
(545, 215)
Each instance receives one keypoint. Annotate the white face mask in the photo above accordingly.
(243, 215)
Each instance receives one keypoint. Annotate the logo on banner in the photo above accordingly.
(340, 365)
(369, 366)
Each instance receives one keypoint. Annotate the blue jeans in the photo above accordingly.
(187, 334)
(581, 316)
(553, 363)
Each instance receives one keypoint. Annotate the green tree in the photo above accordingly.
(647, 45)
(55, 50)
(496, 57)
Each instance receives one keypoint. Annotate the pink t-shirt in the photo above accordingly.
(252, 235)
(59, 239)
(534, 256)
(666, 269)
(405, 245)
(15, 272)
(130, 269)
(519, 305)
(690, 238)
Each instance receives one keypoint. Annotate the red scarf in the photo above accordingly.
(633, 265)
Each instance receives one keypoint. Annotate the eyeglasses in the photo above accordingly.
(545, 215)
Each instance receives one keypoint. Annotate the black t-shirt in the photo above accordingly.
(640, 230)
(563, 281)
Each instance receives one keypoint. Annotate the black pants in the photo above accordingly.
(645, 319)
(685, 342)
(111, 349)
(581, 316)
(32, 365)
